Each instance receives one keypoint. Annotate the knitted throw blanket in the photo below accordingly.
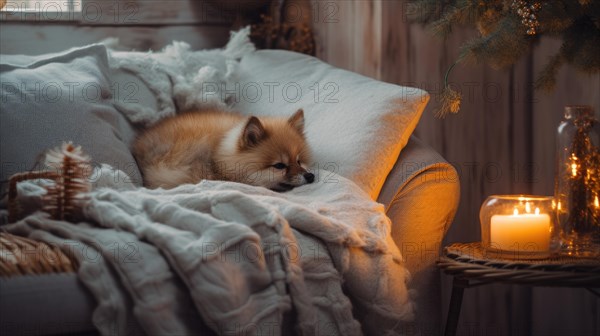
(233, 258)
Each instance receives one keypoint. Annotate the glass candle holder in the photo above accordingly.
(519, 226)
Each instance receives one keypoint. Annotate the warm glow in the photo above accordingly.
(526, 232)
(559, 206)
(596, 203)
(574, 165)
(527, 207)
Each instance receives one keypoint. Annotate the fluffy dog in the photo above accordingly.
(216, 145)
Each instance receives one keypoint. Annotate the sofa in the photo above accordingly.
(418, 189)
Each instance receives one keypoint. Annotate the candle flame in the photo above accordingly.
(516, 212)
(596, 202)
(527, 207)
(537, 211)
(559, 206)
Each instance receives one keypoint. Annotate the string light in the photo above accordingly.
(574, 165)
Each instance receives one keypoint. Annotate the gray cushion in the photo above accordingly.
(46, 100)
(45, 304)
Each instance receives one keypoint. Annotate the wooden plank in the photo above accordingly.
(40, 39)
(333, 23)
(367, 31)
(489, 141)
(501, 142)
(394, 44)
(573, 88)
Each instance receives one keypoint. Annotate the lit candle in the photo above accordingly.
(521, 232)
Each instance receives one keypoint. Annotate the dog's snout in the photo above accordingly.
(310, 177)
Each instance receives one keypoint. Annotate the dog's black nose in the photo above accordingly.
(310, 177)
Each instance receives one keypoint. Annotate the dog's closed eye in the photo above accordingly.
(279, 165)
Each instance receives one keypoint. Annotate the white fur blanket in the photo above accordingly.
(240, 257)
(181, 79)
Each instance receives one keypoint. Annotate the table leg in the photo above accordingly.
(458, 288)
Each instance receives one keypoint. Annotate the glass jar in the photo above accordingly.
(519, 226)
(577, 182)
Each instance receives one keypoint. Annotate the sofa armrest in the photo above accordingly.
(421, 196)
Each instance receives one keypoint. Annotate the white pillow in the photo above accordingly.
(355, 125)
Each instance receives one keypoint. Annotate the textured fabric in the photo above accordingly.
(429, 222)
(416, 164)
(421, 196)
(415, 158)
(64, 97)
(182, 79)
(232, 249)
(28, 305)
(355, 125)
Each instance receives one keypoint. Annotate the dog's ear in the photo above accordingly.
(253, 134)
(297, 121)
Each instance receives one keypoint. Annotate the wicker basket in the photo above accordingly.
(24, 256)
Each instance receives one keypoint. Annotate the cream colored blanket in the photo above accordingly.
(241, 259)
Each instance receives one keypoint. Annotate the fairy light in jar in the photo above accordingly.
(574, 165)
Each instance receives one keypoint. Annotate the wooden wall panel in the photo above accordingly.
(573, 88)
(334, 32)
(367, 33)
(501, 142)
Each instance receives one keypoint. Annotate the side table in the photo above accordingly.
(471, 266)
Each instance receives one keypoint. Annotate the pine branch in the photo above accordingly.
(441, 17)
(501, 48)
(581, 46)
(426, 11)
(554, 18)
(449, 102)
(74, 167)
(63, 199)
(443, 26)
(547, 78)
(508, 28)
(489, 21)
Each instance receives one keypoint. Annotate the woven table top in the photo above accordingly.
(472, 262)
